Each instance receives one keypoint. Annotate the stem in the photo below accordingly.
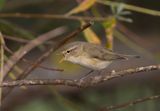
(130, 103)
(90, 81)
(1, 64)
(131, 7)
(49, 16)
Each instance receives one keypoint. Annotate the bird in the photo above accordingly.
(90, 55)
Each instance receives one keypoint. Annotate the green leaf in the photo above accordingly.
(91, 36)
(86, 4)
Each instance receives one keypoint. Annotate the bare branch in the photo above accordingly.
(50, 16)
(130, 103)
(31, 63)
(32, 44)
(16, 39)
(90, 81)
(21, 40)
(2, 43)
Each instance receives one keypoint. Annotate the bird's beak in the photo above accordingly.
(61, 60)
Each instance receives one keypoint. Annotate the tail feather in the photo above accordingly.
(126, 57)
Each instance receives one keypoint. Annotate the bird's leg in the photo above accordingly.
(86, 75)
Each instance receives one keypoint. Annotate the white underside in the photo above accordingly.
(94, 64)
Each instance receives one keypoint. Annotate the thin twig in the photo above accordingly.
(90, 81)
(16, 39)
(1, 64)
(130, 7)
(31, 63)
(21, 40)
(130, 103)
(32, 44)
(49, 16)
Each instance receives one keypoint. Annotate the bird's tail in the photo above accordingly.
(126, 57)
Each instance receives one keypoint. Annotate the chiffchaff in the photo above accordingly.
(93, 56)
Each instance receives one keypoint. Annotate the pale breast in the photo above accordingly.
(94, 63)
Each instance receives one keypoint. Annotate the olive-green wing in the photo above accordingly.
(99, 52)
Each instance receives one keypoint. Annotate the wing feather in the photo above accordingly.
(101, 53)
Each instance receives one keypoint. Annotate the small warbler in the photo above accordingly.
(93, 56)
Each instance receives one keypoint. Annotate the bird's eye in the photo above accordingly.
(68, 51)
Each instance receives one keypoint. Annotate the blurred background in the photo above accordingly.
(124, 29)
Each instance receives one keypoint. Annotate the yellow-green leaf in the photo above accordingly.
(86, 4)
(91, 36)
(109, 26)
